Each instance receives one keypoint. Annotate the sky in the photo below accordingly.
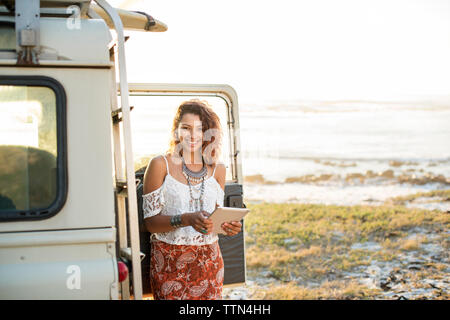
(298, 50)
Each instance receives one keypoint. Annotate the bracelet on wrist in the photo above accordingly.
(175, 221)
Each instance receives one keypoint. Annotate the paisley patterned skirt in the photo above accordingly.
(186, 272)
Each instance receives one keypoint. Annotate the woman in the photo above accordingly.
(181, 189)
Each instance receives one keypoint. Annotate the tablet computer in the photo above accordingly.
(226, 214)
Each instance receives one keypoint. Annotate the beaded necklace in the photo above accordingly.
(195, 204)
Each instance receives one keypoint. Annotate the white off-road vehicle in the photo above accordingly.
(70, 181)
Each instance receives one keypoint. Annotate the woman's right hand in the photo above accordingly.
(199, 221)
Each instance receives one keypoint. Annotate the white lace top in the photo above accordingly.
(172, 198)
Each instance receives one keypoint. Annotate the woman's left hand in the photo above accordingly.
(232, 228)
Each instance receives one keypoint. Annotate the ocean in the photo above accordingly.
(330, 152)
(345, 152)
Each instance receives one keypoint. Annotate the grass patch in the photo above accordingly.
(301, 243)
(337, 290)
(308, 224)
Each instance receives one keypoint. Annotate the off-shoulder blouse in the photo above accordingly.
(172, 198)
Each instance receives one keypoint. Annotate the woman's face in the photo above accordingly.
(190, 132)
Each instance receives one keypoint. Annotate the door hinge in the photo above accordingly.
(116, 114)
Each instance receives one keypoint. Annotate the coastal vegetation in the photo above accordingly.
(316, 251)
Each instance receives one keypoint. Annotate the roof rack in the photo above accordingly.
(131, 20)
(26, 14)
